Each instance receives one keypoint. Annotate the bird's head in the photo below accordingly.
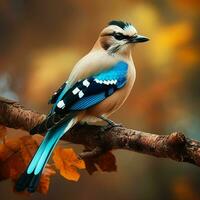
(119, 36)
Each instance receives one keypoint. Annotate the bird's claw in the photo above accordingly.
(109, 126)
(83, 123)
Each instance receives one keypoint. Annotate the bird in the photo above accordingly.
(98, 86)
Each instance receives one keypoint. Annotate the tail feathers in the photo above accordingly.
(51, 145)
(30, 178)
(23, 181)
(34, 182)
(29, 181)
(39, 152)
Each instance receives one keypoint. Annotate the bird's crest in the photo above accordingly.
(119, 23)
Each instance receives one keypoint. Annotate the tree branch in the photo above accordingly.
(174, 146)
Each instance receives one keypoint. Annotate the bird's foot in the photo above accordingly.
(110, 124)
(84, 123)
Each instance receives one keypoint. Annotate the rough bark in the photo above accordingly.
(174, 146)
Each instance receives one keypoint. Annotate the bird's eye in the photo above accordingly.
(118, 36)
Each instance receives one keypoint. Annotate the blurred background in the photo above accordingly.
(40, 41)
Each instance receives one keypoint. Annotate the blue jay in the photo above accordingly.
(97, 86)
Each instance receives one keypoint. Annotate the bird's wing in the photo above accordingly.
(94, 89)
(56, 94)
(85, 94)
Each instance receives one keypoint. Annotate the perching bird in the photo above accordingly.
(97, 86)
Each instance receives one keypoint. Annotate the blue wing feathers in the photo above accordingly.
(62, 93)
(56, 94)
(87, 102)
(115, 72)
(99, 87)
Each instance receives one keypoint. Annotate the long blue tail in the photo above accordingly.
(31, 176)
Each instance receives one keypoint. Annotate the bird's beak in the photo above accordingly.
(138, 38)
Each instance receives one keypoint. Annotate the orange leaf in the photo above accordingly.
(105, 162)
(45, 179)
(67, 161)
(16, 153)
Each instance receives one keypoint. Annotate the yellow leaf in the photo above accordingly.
(67, 161)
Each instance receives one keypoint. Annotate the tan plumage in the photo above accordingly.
(113, 45)
(99, 59)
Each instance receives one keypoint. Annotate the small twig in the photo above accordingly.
(93, 153)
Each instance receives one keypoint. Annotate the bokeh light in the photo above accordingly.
(40, 41)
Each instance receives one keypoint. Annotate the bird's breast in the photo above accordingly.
(117, 99)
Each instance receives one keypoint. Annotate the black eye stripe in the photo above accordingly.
(119, 36)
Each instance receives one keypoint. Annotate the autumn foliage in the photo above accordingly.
(67, 162)
(16, 151)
